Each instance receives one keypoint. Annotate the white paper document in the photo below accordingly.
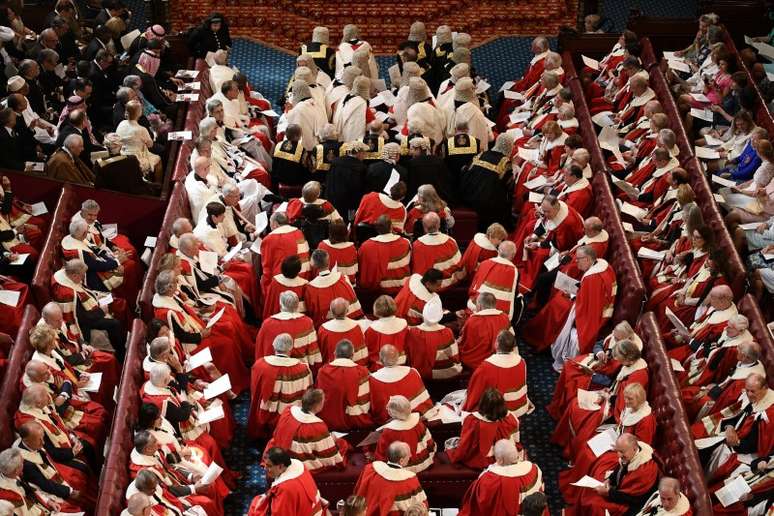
(213, 413)
(719, 198)
(676, 322)
(671, 56)
(20, 259)
(218, 387)
(201, 358)
(110, 231)
(10, 297)
(535, 197)
(482, 86)
(566, 284)
(703, 114)
(150, 241)
(765, 50)
(187, 74)
(538, 182)
(212, 473)
(603, 442)
(733, 491)
(215, 318)
(507, 85)
(233, 252)
(750, 226)
(529, 154)
(631, 191)
(519, 117)
(208, 261)
(677, 367)
(700, 97)
(106, 300)
(128, 39)
(711, 141)
(392, 181)
(388, 96)
(635, 211)
(722, 181)
(588, 481)
(591, 63)
(552, 263)
(588, 400)
(603, 119)
(186, 97)
(270, 113)
(680, 66)
(193, 85)
(650, 254)
(95, 380)
(35, 166)
(513, 95)
(706, 153)
(179, 136)
(39, 208)
(261, 222)
(282, 208)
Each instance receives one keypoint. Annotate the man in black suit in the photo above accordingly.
(111, 9)
(27, 145)
(68, 44)
(102, 37)
(11, 156)
(104, 87)
(29, 71)
(48, 38)
(50, 83)
(344, 184)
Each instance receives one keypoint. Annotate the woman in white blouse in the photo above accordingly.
(136, 141)
(742, 194)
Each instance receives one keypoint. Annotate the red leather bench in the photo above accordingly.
(10, 392)
(115, 474)
(673, 443)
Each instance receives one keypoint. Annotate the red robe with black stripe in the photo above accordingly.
(276, 382)
(439, 251)
(413, 432)
(501, 489)
(343, 255)
(389, 489)
(478, 437)
(478, 335)
(505, 372)
(323, 289)
(293, 492)
(397, 381)
(307, 439)
(347, 395)
(279, 244)
(384, 263)
(375, 204)
(499, 277)
(432, 351)
(299, 327)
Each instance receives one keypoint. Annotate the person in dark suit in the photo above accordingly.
(102, 37)
(212, 35)
(75, 123)
(344, 184)
(11, 156)
(104, 86)
(47, 38)
(28, 146)
(68, 43)
(112, 9)
(29, 71)
(424, 168)
(50, 83)
(380, 171)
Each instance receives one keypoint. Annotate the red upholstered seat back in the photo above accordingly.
(11, 385)
(674, 445)
(115, 473)
(749, 308)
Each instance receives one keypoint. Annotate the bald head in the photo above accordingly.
(398, 453)
(721, 297)
(431, 222)
(52, 314)
(507, 250)
(339, 307)
(202, 166)
(389, 355)
(505, 452)
(36, 371)
(593, 226)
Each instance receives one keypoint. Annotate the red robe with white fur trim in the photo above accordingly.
(299, 327)
(307, 439)
(384, 262)
(279, 244)
(508, 374)
(389, 490)
(323, 289)
(387, 330)
(501, 489)
(479, 250)
(375, 204)
(397, 381)
(499, 277)
(478, 437)
(347, 395)
(293, 492)
(344, 256)
(412, 298)
(433, 352)
(334, 331)
(653, 507)
(479, 334)
(413, 432)
(439, 251)
(277, 286)
(276, 382)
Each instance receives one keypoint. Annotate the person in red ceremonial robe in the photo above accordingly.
(292, 492)
(342, 252)
(139, 504)
(747, 425)
(164, 502)
(325, 287)
(277, 381)
(499, 277)
(347, 391)
(283, 241)
(81, 309)
(555, 225)
(482, 247)
(388, 487)
(306, 437)
(431, 347)
(17, 495)
(713, 398)
(375, 204)
(537, 66)
(393, 380)
(384, 259)
(760, 481)
(67, 448)
(11, 316)
(406, 426)
(628, 477)
(190, 329)
(79, 355)
(575, 190)
(630, 108)
(481, 429)
(435, 250)
(479, 333)
(339, 328)
(417, 291)
(117, 245)
(573, 326)
(295, 324)
(39, 471)
(579, 371)
(667, 501)
(503, 486)
(593, 408)
(387, 329)
(637, 419)
(289, 278)
(707, 327)
(504, 371)
(310, 194)
(147, 454)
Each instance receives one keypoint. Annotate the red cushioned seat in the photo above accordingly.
(465, 225)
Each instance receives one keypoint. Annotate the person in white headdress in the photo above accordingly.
(351, 116)
(317, 92)
(339, 88)
(422, 109)
(350, 43)
(468, 110)
(400, 107)
(306, 115)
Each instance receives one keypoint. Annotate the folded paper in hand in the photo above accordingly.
(587, 481)
(233, 252)
(215, 318)
(722, 181)
(10, 297)
(213, 413)
(706, 153)
(538, 182)
(603, 441)
(676, 322)
(513, 95)
(95, 380)
(180, 136)
(677, 367)
(703, 114)
(733, 491)
(566, 284)
(591, 63)
(39, 208)
(208, 261)
(650, 254)
(589, 400)
(603, 119)
(529, 154)
(392, 181)
(199, 359)
(218, 387)
(212, 473)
